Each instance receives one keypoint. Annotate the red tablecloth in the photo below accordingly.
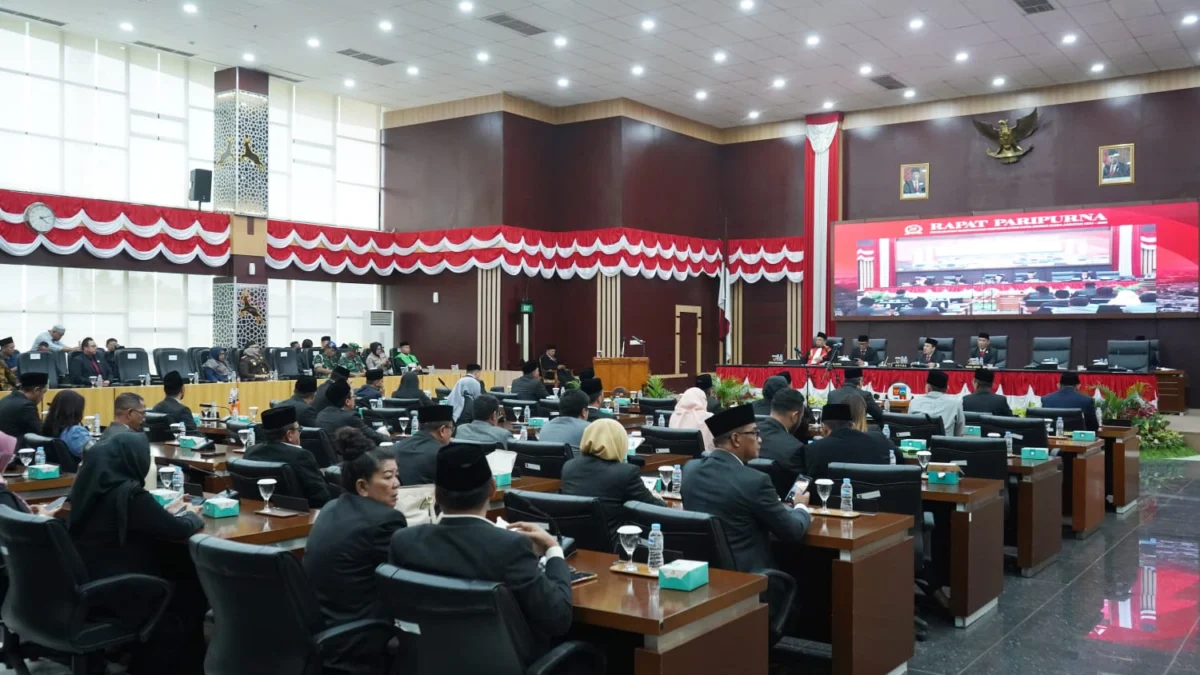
(1013, 382)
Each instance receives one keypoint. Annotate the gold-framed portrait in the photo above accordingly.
(1116, 164)
(914, 181)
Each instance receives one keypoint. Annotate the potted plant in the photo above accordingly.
(655, 388)
(1118, 410)
(730, 391)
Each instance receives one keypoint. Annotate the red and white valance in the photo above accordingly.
(105, 229)
(753, 260)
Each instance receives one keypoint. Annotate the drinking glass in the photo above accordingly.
(824, 488)
(243, 436)
(816, 415)
(266, 488)
(165, 474)
(664, 474)
(376, 404)
(253, 413)
(629, 535)
(517, 413)
(178, 429)
(649, 420)
(26, 457)
(403, 424)
(923, 459)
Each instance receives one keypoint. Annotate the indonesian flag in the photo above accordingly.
(724, 304)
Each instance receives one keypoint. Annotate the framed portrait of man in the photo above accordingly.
(1116, 164)
(914, 181)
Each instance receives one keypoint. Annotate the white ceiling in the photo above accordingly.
(605, 40)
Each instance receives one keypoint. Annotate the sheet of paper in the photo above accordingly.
(501, 461)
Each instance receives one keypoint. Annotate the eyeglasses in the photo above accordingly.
(756, 433)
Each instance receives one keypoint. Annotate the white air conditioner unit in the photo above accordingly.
(377, 327)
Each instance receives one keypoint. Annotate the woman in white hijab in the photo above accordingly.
(463, 396)
(690, 412)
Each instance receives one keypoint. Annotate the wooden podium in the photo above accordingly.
(630, 372)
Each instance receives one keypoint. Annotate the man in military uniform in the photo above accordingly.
(352, 362)
(8, 379)
(252, 365)
(326, 361)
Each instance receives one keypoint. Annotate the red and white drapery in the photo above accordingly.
(822, 205)
(105, 229)
(517, 251)
(754, 260)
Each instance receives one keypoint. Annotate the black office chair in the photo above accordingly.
(498, 390)
(317, 442)
(781, 478)
(547, 408)
(41, 362)
(834, 341)
(51, 601)
(1131, 355)
(157, 427)
(1155, 362)
(653, 406)
(1072, 417)
(1026, 432)
(440, 393)
(56, 451)
(979, 457)
(240, 581)
(539, 458)
(285, 361)
(408, 404)
(880, 346)
(196, 357)
(657, 440)
(503, 396)
(944, 350)
(234, 427)
(245, 474)
(170, 360)
(310, 356)
(581, 518)
(132, 364)
(233, 357)
(1058, 348)
(999, 344)
(502, 642)
(905, 426)
(63, 364)
(975, 418)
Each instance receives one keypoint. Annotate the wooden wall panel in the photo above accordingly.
(670, 183)
(441, 333)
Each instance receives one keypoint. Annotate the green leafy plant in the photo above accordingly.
(815, 401)
(571, 384)
(1131, 405)
(1158, 439)
(655, 388)
(730, 391)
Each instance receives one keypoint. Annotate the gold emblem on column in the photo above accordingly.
(249, 154)
(1009, 139)
(227, 155)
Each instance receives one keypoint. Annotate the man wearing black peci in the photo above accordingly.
(984, 400)
(864, 354)
(282, 444)
(853, 387)
(1069, 396)
(928, 355)
(983, 350)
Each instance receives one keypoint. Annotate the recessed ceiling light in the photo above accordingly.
(314, 42)
(349, 83)
(916, 24)
(1069, 39)
(778, 83)
(126, 26)
(560, 41)
(190, 8)
(746, 5)
(562, 82)
(827, 105)
(1097, 67)
(1189, 19)
(909, 93)
(864, 70)
(961, 56)
(720, 57)
(701, 95)
(998, 82)
(648, 24)
(248, 57)
(482, 57)
(413, 70)
(753, 114)
(466, 6)
(385, 25)
(637, 70)
(812, 40)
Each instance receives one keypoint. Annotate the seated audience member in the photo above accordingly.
(864, 354)
(416, 456)
(118, 528)
(601, 471)
(43, 348)
(8, 374)
(465, 545)
(852, 387)
(377, 359)
(776, 432)
(819, 352)
(844, 440)
(587, 374)
(772, 386)
(53, 340)
(743, 499)
(373, 389)
(484, 426)
(594, 388)
(340, 413)
(252, 365)
(937, 403)
(64, 421)
(405, 359)
(571, 422)
(19, 410)
(173, 405)
(111, 345)
(919, 307)
(14, 501)
(328, 340)
(1069, 396)
(548, 363)
(338, 374)
(983, 350)
(983, 400)
(282, 444)
(529, 386)
(9, 354)
(216, 369)
(866, 306)
(1040, 294)
(1078, 304)
(346, 544)
(352, 362)
(705, 384)
(294, 344)
(410, 388)
(302, 400)
(129, 413)
(325, 362)
(928, 355)
(462, 399)
(85, 365)
(691, 412)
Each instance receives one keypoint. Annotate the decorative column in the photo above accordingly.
(822, 206)
(240, 157)
(239, 313)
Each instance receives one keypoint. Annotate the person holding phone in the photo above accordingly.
(777, 431)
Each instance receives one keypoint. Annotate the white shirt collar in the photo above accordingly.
(466, 515)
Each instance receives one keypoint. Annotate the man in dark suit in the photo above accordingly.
(466, 545)
(1069, 396)
(302, 399)
(983, 350)
(743, 499)
(85, 365)
(776, 432)
(983, 400)
(283, 445)
(129, 412)
(19, 410)
(594, 388)
(842, 443)
(416, 456)
(705, 384)
(341, 413)
(529, 386)
(865, 354)
(928, 355)
(172, 406)
(320, 401)
(1114, 167)
(548, 363)
(853, 387)
(373, 388)
(773, 385)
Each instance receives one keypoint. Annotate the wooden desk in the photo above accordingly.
(629, 373)
(976, 544)
(1039, 512)
(653, 462)
(162, 452)
(718, 628)
(252, 528)
(1083, 483)
(1122, 466)
(35, 491)
(1172, 390)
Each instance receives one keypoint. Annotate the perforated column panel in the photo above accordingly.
(488, 314)
(608, 315)
(794, 302)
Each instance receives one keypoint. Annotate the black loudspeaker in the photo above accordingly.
(201, 189)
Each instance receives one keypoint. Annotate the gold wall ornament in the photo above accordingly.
(1007, 138)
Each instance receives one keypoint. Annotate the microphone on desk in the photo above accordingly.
(443, 383)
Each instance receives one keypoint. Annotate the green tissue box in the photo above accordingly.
(503, 479)
(164, 497)
(943, 478)
(244, 419)
(912, 444)
(1035, 453)
(220, 507)
(190, 442)
(972, 430)
(43, 471)
(1083, 436)
(537, 422)
(624, 402)
(683, 575)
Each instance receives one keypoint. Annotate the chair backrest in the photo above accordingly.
(880, 347)
(445, 609)
(440, 393)
(1154, 359)
(579, 517)
(44, 604)
(499, 389)
(904, 426)
(540, 458)
(317, 442)
(1072, 417)
(389, 416)
(260, 434)
(408, 404)
(171, 360)
(944, 350)
(197, 356)
(651, 406)
(1026, 432)
(285, 361)
(157, 427)
(39, 362)
(246, 473)
(979, 457)
(547, 406)
(975, 418)
(62, 361)
(1052, 348)
(998, 343)
(781, 478)
(241, 581)
(56, 449)
(689, 535)
(132, 364)
(1129, 354)
(662, 440)
(898, 487)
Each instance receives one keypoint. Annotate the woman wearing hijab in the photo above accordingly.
(215, 369)
(690, 412)
(462, 399)
(601, 471)
(771, 387)
(8, 448)
(118, 528)
(377, 359)
(410, 387)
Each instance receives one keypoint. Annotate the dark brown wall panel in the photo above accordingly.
(564, 314)
(442, 333)
(764, 321)
(528, 172)
(1060, 170)
(670, 182)
(762, 187)
(444, 175)
(648, 311)
(586, 178)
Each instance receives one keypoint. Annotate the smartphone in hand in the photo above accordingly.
(798, 488)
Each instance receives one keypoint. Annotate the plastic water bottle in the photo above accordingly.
(1058, 427)
(96, 424)
(677, 480)
(177, 480)
(662, 420)
(655, 559)
(40, 456)
(887, 404)
(616, 406)
(1008, 441)
(524, 433)
(250, 440)
(847, 496)
(525, 415)
(887, 431)
(891, 456)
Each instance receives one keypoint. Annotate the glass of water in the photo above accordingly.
(664, 474)
(165, 474)
(26, 457)
(629, 535)
(517, 413)
(824, 488)
(244, 436)
(266, 488)
(816, 415)
(177, 429)
(403, 421)
(923, 457)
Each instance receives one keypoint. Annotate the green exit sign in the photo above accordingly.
(527, 307)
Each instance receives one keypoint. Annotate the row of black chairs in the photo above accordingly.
(1136, 355)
